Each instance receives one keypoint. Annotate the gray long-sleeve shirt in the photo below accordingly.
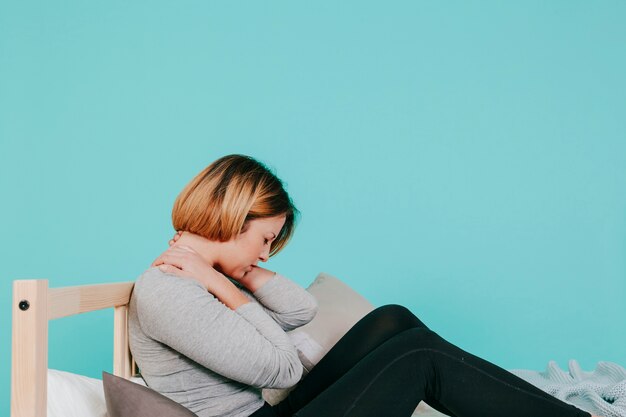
(192, 348)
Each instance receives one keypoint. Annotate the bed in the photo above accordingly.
(35, 304)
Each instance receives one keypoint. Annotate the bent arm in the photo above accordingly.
(289, 304)
(244, 344)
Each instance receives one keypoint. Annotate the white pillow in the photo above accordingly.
(73, 395)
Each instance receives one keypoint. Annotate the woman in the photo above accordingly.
(207, 324)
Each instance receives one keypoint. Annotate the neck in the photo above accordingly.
(208, 249)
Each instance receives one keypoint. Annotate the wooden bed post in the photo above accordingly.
(34, 304)
(29, 359)
(121, 350)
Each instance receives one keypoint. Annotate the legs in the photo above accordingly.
(389, 361)
(366, 335)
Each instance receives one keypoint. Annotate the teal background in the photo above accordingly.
(464, 159)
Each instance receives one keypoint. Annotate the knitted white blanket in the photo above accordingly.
(601, 392)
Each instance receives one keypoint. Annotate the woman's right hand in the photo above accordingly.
(187, 263)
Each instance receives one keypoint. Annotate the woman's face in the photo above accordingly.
(250, 247)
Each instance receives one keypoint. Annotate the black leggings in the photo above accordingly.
(390, 361)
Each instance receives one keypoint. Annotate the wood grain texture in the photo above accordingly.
(29, 362)
(121, 351)
(29, 354)
(68, 301)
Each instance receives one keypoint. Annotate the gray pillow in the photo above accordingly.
(340, 308)
(128, 399)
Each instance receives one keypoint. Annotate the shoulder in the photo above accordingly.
(161, 300)
(156, 284)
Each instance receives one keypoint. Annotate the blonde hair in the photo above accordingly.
(219, 202)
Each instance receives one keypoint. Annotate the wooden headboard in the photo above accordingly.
(34, 304)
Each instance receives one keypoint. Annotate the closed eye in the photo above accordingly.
(266, 240)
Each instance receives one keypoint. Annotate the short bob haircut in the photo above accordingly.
(218, 203)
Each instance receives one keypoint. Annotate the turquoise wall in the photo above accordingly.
(464, 159)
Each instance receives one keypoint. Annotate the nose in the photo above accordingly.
(265, 255)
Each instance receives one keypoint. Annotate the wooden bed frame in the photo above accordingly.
(34, 304)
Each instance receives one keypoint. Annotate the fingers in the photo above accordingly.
(170, 269)
(176, 256)
(169, 259)
(174, 239)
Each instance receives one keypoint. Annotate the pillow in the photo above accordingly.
(340, 307)
(86, 394)
(127, 399)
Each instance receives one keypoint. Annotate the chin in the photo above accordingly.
(236, 274)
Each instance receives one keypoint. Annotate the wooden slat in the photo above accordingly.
(29, 355)
(67, 301)
(121, 351)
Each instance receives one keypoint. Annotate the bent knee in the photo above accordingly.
(394, 310)
(396, 317)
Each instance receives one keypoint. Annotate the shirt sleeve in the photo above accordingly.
(245, 345)
(289, 304)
